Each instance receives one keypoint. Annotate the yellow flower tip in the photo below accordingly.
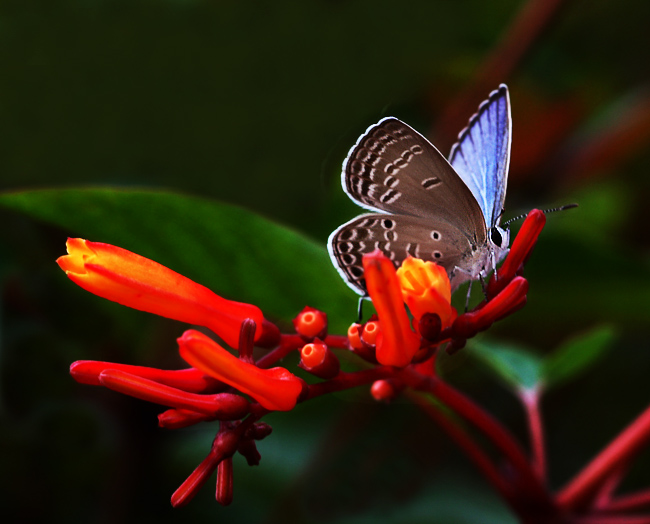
(138, 282)
(426, 289)
(78, 254)
(416, 275)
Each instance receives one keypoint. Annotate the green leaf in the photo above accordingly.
(236, 253)
(576, 355)
(519, 368)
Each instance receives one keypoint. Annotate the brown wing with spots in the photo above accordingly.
(393, 168)
(397, 236)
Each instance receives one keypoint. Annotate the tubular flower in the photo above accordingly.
(396, 341)
(214, 388)
(275, 389)
(137, 282)
(426, 289)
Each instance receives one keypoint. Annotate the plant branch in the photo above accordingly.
(531, 399)
(490, 427)
(623, 448)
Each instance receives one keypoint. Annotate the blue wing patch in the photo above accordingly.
(482, 154)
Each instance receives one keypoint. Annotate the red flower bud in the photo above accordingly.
(224, 406)
(507, 301)
(311, 323)
(317, 359)
(275, 389)
(521, 248)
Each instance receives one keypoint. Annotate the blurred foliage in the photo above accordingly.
(256, 105)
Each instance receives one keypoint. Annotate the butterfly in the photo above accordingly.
(424, 205)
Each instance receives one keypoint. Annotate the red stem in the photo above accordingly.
(530, 399)
(288, 343)
(622, 449)
(604, 494)
(348, 381)
(633, 502)
(612, 519)
(528, 25)
(463, 440)
(491, 428)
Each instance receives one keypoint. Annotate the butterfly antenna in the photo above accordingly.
(545, 211)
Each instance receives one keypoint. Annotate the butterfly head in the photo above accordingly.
(500, 237)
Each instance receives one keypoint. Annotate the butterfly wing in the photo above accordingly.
(393, 169)
(482, 154)
(397, 236)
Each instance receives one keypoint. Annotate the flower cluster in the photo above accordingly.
(414, 319)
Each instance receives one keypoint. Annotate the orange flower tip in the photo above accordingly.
(426, 289)
(78, 253)
(311, 323)
(354, 336)
(383, 390)
(370, 331)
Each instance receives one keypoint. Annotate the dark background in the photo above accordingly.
(257, 104)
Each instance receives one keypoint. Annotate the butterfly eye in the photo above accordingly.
(496, 237)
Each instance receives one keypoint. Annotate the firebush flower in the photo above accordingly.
(398, 346)
(137, 282)
(397, 343)
(426, 289)
(275, 389)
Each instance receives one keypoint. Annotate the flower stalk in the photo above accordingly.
(396, 351)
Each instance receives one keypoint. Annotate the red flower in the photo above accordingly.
(396, 341)
(275, 389)
(134, 281)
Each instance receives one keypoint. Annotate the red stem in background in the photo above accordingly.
(490, 427)
(530, 399)
(604, 494)
(460, 437)
(288, 343)
(611, 519)
(633, 502)
(348, 381)
(623, 448)
(527, 27)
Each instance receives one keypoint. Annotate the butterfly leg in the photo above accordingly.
(469, 292)
(360, 308)
(481, 277)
